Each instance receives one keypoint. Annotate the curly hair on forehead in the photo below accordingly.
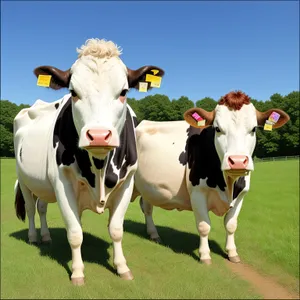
(235, 100)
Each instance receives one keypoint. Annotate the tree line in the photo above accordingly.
(280, 142)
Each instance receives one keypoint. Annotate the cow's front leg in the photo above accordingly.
(230, 223)
(115, 227)
(67, 203)
(199, 205)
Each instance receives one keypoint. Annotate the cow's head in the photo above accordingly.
(98, 82)
(235, 120)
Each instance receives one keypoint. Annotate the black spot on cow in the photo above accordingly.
(111, 178)
(20, 154)
(66, 136)
(203, 160)
(125, 155)
(135, 121)
(99, 163)
(56, 105)
(239, 185)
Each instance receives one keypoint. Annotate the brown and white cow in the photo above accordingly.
(184, 166)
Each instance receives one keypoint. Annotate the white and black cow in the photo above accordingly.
(80, 151)
(184, 166)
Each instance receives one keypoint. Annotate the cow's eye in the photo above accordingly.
(73, 93)
(123, 93)
(217, 129)
(254, 129)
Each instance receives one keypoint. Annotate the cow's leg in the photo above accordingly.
(230, 223)
(199, 205)
(147, 209)
(42, 210)
(115, 227)
(30, 210)
(67, 203)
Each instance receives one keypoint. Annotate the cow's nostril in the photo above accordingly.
(108, 136)
(230, 160)
(90, 137)
(245, 161)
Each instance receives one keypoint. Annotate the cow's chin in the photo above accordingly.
(99, 152)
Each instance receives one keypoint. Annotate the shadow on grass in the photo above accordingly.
(93, 249)
(178, 241)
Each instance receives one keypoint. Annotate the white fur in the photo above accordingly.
(236, 136)
(98, 78)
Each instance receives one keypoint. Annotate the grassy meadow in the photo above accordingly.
(267, 239)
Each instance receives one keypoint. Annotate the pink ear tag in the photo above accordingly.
(196, 117)
(274, 117)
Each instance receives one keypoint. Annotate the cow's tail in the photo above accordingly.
(19, 202)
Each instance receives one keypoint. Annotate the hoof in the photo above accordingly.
(235, 259)
(156, 240)
(78, 281)
(126, 276)
(206, 261)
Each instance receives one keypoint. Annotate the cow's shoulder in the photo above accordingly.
(124, 157)
(29, 115)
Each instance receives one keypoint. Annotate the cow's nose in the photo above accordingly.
(238, 162)
(98, 137)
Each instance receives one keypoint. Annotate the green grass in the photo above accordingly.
(267, 238)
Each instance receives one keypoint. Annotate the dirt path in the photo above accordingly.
(267, 287)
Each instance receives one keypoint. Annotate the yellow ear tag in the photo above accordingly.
(201, 123)
(44, 80)
(268, 127)
(155, 81)
(143, 86)
(154, 71)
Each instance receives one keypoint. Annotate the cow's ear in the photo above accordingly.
(263, 116)
(199, 117)
(139, 75)
(59, 79)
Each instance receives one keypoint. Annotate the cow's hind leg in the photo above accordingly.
(230, 223)
(199, 205)
(147, 209)
(42, 210)
(30, 207)
(115, 227)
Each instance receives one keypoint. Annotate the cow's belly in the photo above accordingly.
(160, 177)
(32, 143)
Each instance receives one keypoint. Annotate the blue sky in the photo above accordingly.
(207, 48)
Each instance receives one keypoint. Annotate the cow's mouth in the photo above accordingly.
(99, 151)
(236, 173)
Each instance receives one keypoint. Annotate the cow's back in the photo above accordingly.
(33, 130)
(160, 146)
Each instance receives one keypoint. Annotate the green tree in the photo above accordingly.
(180, 106)
(207, 103)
